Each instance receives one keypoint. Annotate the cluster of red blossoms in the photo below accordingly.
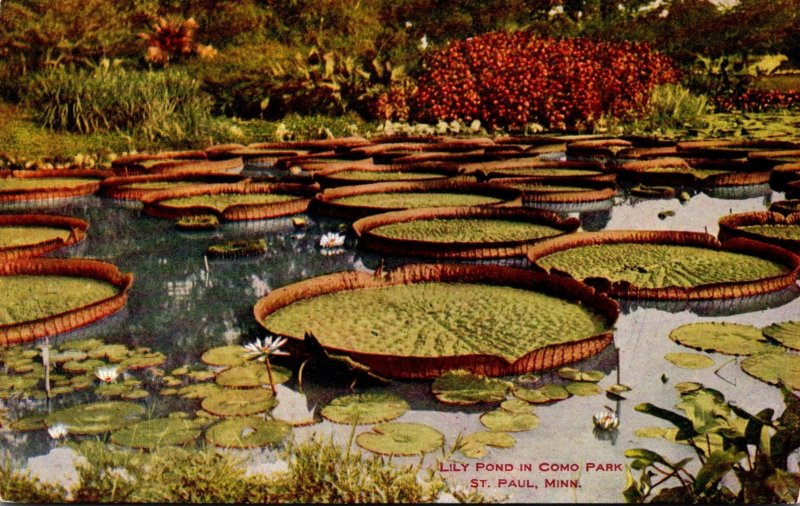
(513, 79)
(758, 100)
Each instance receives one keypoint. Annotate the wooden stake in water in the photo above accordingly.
(46, 364)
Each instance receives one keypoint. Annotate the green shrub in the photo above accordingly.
(165, 105)
(673, 106)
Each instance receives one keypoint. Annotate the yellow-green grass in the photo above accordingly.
(438, 319)
(658, 265)
(27, 298)
(19, 236)
(414, 200)
(224, 200)
(466, 230)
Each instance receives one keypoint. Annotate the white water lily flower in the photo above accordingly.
(605, 420)
(270, 346)
(423, 42)
(58, 430)
(331, 240)
(107, 374)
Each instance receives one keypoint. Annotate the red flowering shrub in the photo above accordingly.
(758, 100)
(512, 79)
(394, 103)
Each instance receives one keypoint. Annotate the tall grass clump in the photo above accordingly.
(671, 108)
(156, 105)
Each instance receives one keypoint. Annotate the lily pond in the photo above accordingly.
(523, 436)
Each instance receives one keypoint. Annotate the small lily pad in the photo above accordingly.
(239, 402)
(688, 386)
(474, 445)
(180, 371)
(396, 438)
(97, 417)
(516, 406)
(168, 391)
(501, 420)
(201, 375)
(81, 345)
(199, 391)
(83, 367)
(111, 390)
(464, 388)
(252, 376)
(143, 360)
(786, 333)
(774, 368)
(248, 432)
(365, 409)
(82, 382)
(577, 375)
(68, 356)
(29, 423)
(547, 393)
(583, 389)
(156, 433)
(690, 360)
(171, 381)
(135, 394)
(112, 352)
(226, 356)
(616, 390)
(727, 338)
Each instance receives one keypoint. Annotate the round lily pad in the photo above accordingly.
(180, 371)
(774, 368)
(143, 360)
(201, 375)
(786, 333)
(583, 389)
(67, 356)
(29, 423)
(617, 390)
(365, 409)
(516, 406)
(474, 445)
(501, 420)
(688, 386)
(248, 432)
(464, 388)
(239, 402)
(81, 345)
(547, 393)
(252, 376)
(171, 382)
(156, 433)
(97, 417)
(199, 391)
(690, 360)
(227, 356)
(111, 389)
(396, 438)
(135, 394)
(573, 374)
(727, 338)
(111, 352)
(83, 367)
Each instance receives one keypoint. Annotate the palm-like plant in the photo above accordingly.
(169, 39)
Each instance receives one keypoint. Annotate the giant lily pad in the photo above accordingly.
(222, 201)
(227, 356)
(401, 327)
(786, 333)
(239, 402)
(414, 200)
(690, 360)
(401, 439)
(463, 387)
(466, 230)
(474, 445)
(248, 432)
(156, 433)
(365, 409)
(252, 376)
(774, 368)
(727, 338)
(504, 421)
(96, 418)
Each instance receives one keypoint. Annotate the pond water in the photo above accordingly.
(182, 304)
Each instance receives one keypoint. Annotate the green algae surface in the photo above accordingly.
(438, 319)
(224, 200)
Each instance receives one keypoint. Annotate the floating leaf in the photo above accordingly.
(616, 390)
(111, 352)
(365, 409)
(671, 434)
(474, 445)
(171, 382)
(201, 375)
(786, 333)
(690, 360)
(248, 432)
(577, 375)
(111, 389)
(96, 418)
(774, 368)
(727, 338)
(135, 394)
(401, 439)
(464, 388)
(227, 356)
(583, 389)
(547, 393)
(143, 360)
(252, 376)
(180, 371)
(501, 420)
(86, 366)
(81, 345)
(29, 423)
(68, 356)
(688, 386)
(516, 406)
(199, 391)
(156, 433)
(239, 402)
